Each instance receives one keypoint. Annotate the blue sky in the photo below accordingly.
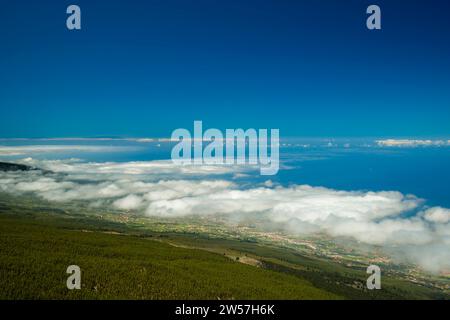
(145, 68)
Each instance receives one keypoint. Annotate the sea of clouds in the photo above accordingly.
(398, 222)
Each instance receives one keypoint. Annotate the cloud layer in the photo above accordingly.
(35, 149)
(160, 188)
(411, 143)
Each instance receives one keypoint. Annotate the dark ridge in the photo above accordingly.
(7, 166)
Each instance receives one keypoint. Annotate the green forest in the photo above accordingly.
(34, 257)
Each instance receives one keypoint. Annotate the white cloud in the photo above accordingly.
(130, 202)
(412, 143)
(437, 214)
(34, 149)
(114, 170)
